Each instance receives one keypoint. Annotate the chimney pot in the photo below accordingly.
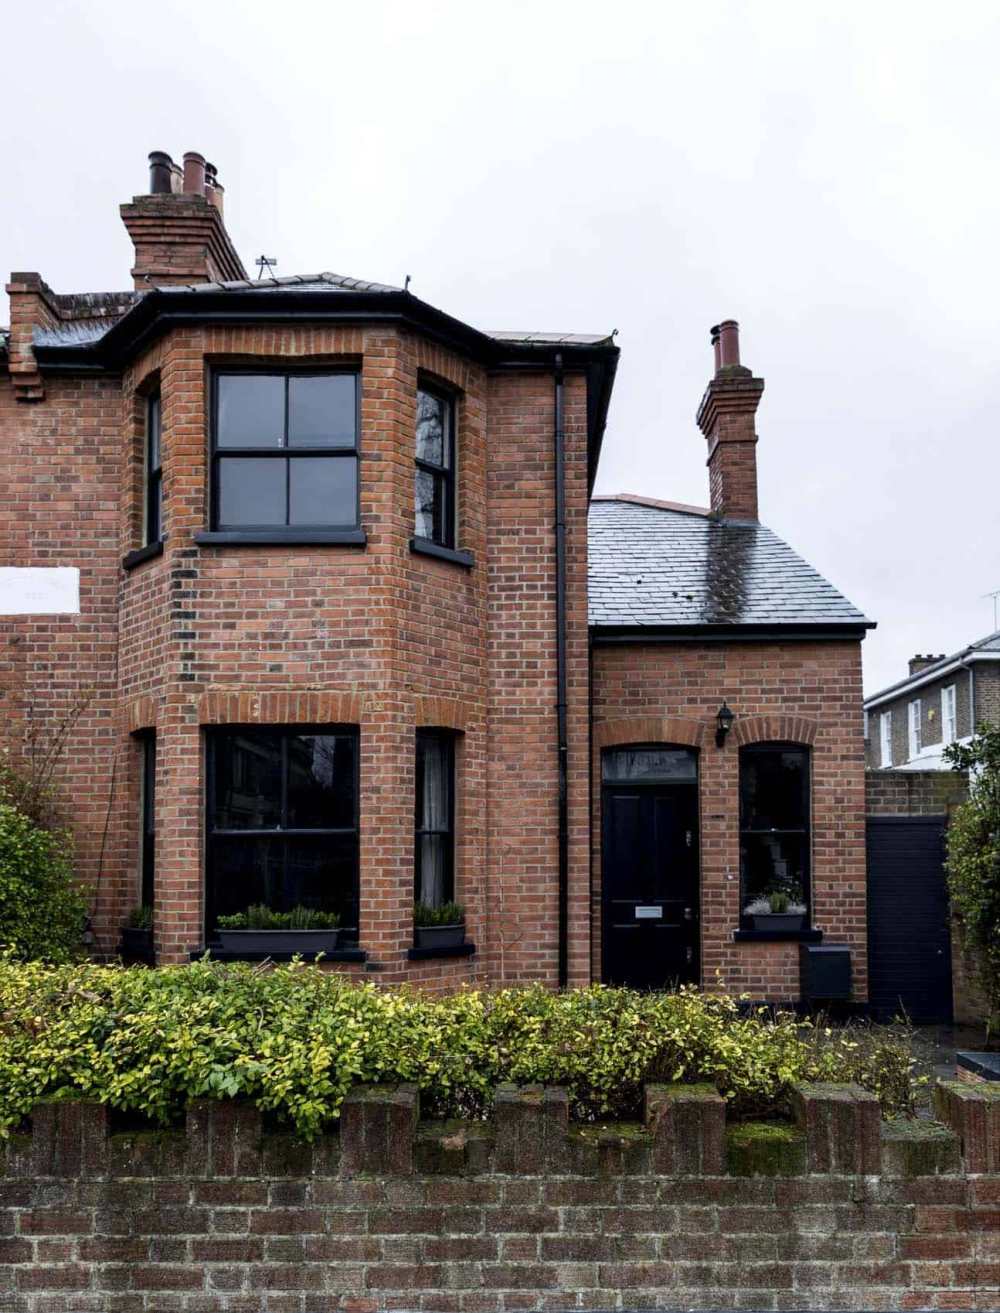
(728, 343)
(160, 168)
(194, 173)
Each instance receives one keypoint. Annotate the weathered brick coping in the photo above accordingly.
(838, 1130)
(523, 1214)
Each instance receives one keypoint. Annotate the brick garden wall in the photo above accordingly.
(519, 1213)
(805, 692)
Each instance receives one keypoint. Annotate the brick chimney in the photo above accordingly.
(726, 417)
(177, 229)
(919, 662)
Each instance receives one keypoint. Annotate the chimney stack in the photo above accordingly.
(177, 228)
(919, 662)
(726, 418)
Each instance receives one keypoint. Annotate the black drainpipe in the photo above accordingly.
(563, 746)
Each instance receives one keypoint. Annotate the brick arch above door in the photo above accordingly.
(649, 729)
(774, 729)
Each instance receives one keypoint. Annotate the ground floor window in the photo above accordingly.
(434, 882)
(282, 823)
(147, 856)
(774, 829)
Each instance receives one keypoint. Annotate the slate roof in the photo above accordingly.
(985, 647)
(662, 565)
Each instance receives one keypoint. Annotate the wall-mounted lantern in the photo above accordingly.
(723, 724)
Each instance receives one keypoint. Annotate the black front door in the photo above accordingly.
(650, 869)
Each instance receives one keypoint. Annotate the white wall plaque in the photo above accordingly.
(39, 590)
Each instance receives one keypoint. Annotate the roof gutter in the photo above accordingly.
(611, 635)
(561, 718)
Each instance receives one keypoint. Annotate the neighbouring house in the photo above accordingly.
(300, 566)
(942, 700)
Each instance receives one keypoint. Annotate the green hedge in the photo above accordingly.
(293, 1039)
(42, 909)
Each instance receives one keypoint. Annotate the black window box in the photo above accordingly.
(424, 547)
(778, 936)
(147, 553)
(450, 950)
(281, 538)
(221, 955)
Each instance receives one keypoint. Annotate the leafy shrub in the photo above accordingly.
(974, 857)
(425, 914)
(140, 918)
(42, 909)
(293, 1039)
(261, 917)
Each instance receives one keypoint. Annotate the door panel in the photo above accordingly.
(909, 938)
(650, 881)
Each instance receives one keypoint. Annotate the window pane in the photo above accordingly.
(244, 871)
(323, 491)
(774, 789)
(433, 876)
(433, 438)
(628, 765)
(774, 863)
(322, 410)
(429, 506)
(153, 432)
(434, 758)
(154, 509)
(251, 410)
(321, 873)
(247, 780)
(321, 781)
(251, 492)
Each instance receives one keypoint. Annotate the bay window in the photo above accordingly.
(434, 477)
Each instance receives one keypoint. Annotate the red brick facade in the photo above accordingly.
(807, 693)
(376, 636)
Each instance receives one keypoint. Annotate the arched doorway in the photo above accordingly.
(650, 886)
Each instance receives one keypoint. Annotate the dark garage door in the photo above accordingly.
(909, 947)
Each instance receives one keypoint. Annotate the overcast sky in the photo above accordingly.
(825, 173)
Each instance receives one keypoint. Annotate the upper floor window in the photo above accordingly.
(885, 738)
(285, 451)
(435, 467)
(153, 473)
(774, 828)
(949, 725)
(435, 818)
(914, 736)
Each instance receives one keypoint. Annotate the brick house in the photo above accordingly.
(300, 567)
(941, 701)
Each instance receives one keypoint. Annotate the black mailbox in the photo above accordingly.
(825, 973)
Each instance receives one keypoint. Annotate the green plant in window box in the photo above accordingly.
(262, 929)
(777, 910)
(438, 925)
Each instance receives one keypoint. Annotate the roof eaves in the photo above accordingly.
(927, 675)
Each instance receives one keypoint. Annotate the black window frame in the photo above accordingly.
(213, 834)
(153, 474)
(286, 531)
(448, 739)
(147, 820)
(444, 476)
(804, 832)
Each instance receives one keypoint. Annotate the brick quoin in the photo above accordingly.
(378, 636)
